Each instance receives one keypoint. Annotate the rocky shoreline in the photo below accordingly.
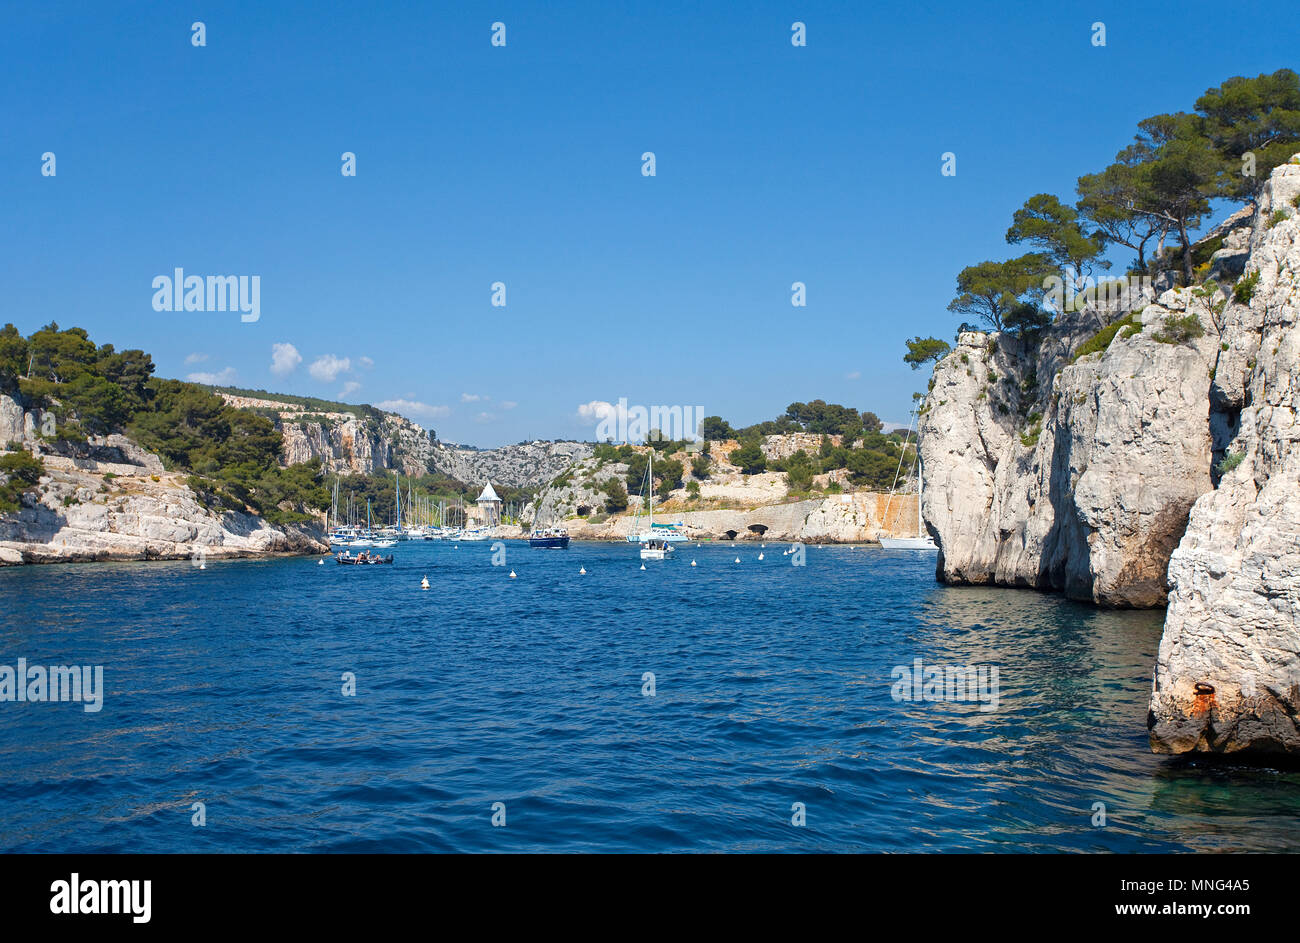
(112, 501)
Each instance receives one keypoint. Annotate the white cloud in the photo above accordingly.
(855, 375)
(328, 368)
(472, 397)
(414, 409)
(366, 362)
(223, 377)
(596, 410)
(196, 358)
(349, 388)
(284, 359)
(509, 404)
(485, 417)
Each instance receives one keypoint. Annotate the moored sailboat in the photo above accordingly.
(922, 540)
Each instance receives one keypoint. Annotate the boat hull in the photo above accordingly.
(907, 543)
(548, 543)
(376, 561)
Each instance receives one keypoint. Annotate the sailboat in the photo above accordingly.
(922, 540)
(655, 545)
(388, 537)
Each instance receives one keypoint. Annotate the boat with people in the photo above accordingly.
(364, 558)
(549, 538)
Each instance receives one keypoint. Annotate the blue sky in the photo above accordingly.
(522, 164)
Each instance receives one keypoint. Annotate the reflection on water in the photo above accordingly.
(773, 686)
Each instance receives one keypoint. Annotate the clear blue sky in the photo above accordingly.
(522, 164)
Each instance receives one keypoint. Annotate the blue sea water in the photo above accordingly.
(772, 687)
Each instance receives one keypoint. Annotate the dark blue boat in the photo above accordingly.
(556, 538)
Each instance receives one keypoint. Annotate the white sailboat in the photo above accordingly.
(922, 540)
(654, 546)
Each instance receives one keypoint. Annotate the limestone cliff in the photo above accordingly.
(109, 499)
(349, 443)
(1227, 676)
(1162, 466)
(1083, 483)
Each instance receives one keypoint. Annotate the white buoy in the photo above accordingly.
(737, 559)
(760, 556)
(512, 574)
(762, 545)
(204, 566)
(424, 583)
(643, 566)
(320, 562)
(692, 563)
(582, 571)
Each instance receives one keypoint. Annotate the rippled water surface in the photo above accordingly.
(773, 687)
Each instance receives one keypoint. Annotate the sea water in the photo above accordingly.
(282, 705)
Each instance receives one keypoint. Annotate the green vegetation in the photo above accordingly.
(233, 453)
(1279, 216)
(922, 350)
(1230, 461)
(1130, 324)
(700, 466)
(615, 496)
(994, 292)
(21, 471)
(606, 452)
(716, 429)
(1245, 288)
(1159, 186)
(749, 458)
(799, 471)
(1179, 330)
(668, 475)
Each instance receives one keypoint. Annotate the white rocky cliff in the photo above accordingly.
(1227, 676)
(112, 500)
(1161, 467)
(1082, 485)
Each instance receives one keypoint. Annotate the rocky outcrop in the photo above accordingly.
(93, 509)
(348, 443)
(1227, 676)
(1084, 485)
(526, 465)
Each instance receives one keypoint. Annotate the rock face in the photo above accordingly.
(111, 500)
(1227, 677)
(526, 465)
(1083, 485)
(345, 443)
(348, 444)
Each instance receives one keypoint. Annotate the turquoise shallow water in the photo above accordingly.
(773, 687)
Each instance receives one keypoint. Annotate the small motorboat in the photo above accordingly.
(550, 538)
(364, 558)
